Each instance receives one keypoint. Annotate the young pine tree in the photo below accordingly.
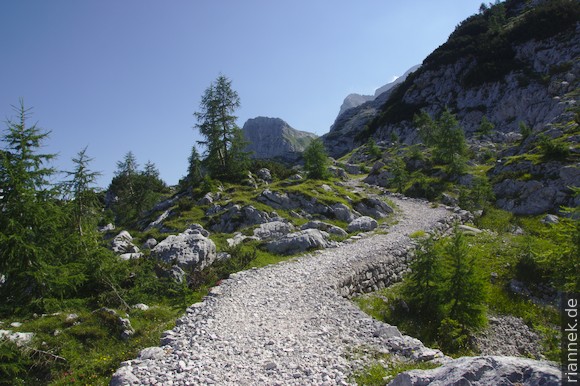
(29, 220)
(464, 287)
(446, 137)
(316, 160)
(80, 188)
(422, 284)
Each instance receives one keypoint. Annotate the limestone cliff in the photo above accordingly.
(273, 138)
(515, 63)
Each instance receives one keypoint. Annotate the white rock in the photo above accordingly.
(363, 224)
(484, 371)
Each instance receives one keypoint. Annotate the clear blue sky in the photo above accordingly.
(121, 75)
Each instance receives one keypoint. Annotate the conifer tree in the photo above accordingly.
(422, 284)
(464, 289)
(446, 137)
(216, 122)
(194, 175)
(29, 216)
(316, 160)
(80, 186)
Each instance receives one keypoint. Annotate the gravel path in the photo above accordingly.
(284, 324)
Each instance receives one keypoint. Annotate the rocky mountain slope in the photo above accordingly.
(354, 100)
(272, 138)
(514, 64)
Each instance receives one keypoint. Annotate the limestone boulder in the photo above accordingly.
(373, 207)
(484, 371)
(123, 243)
(342, 212)
(323, 226)
(264, 174)
(299, 242)
(236, 217)
(273, 230)
(362, 224)
(190, 249)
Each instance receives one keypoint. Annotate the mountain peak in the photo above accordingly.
(271, 138)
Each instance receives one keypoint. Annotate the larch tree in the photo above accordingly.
(316, 160)
(29, 215)
(80, 188)
(216, 122)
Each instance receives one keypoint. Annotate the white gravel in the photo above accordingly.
(284, 324)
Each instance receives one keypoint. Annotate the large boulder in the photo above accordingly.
(273, 230)
(237, 217)
(299, 242)
(190, 249)
(342, 212)
(123, 243)
(373, 207)
(484, 371)
(323, 226)
(362, 224)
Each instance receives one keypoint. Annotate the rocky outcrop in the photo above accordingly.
(123, 246)
(350, 122)
(233, 217)
(536, 188)
(523, 340)
(272, 138)
(355, 100)
(273, 230)
(362, 224)
(299, 242)
(484, 371)
(326, 227)
(190, 249)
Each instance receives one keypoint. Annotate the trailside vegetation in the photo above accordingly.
(225, 157)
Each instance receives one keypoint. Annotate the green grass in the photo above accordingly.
(383, 368)
(91, 348)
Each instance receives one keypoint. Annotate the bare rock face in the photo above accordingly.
(299, 242)
(190, 249)
(273, 230)
(484, 371)
(363, 224)
(273, 138)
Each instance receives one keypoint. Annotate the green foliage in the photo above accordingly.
(373, 149)
(279, 171)
(30, 218)
(552, 149)
(464, 286)
(446, 138)
(400, 174)
(479, 196)
(385, 368)
(422, 289)
(525, 130)
(194, 171)
(316, 160)
(225, 157)
(424, 187)
(485, 127)
(135, 191)
(445, 293)
(546, 20)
